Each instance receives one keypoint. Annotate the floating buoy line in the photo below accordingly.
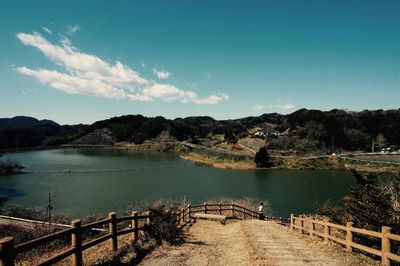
(70, 171)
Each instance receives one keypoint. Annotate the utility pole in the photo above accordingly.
(49, 207)
(373, 145)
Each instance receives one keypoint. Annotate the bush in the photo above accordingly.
(163, 226)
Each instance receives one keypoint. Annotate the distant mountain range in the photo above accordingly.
(305, 130)
(24, 122)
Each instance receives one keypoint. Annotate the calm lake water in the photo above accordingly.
(79, 194)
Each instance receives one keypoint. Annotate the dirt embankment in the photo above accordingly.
(149, 145)
(306, 163)
(289, 162)
(97, 137)
(216, 162)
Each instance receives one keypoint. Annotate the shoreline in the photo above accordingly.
(243, 163)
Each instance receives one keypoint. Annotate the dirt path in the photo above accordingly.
(208, 243)
(250, 242)
(273, 244)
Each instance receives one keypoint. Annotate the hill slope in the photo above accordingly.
(24, 122)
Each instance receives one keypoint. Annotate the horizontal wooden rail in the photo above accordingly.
(59, 257)
(95, 241)
(393, 237)
(367, 249)
(8, 251)
(246, 213)
(129, 218)
(366, 232)
(96, 224)
(307, 224)
(42, 240)
(337, 226)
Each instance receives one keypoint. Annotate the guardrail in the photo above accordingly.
(9, 251)
(345, 236)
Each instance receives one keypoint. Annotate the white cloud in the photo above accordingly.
(160, 74)
(285, 106)
(258, 107)
(212, 99)
(73, 29)
(47, 30)
(89, 75)
(73, 84)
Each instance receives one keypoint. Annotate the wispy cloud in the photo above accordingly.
(284, 106)
(47, 30)
(160, 74)
(90, 75)
(73, 29)
(258, 107)
(209, 75)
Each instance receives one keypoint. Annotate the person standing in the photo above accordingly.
(261, 211)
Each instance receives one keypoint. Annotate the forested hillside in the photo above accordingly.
(304, 129)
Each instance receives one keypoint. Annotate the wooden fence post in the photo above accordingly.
(190, 211)
(312, 227)
(349, 237)
(148, 219)
(244, 213)
(205, 207)
(174, 217)
(112, 227)
(301, 224)
(385, 245)
(326, 230)
(233, 210)
(135, 226)
(76, 242)
(220, 208)
(7, 251)
(291, 222)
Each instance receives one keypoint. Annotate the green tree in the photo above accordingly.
(262, 158)
(370, 204)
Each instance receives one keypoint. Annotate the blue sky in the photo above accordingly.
(82, 61)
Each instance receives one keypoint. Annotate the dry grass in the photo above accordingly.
(217, 162)
(373, 168)
(163, 227)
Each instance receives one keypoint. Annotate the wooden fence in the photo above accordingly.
(344, 235)
(230, 210)
(8, 251)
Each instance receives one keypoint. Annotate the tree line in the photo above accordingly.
(306, 130)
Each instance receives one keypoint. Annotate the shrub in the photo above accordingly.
(163, 226)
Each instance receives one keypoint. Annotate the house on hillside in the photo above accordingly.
(267, 133)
